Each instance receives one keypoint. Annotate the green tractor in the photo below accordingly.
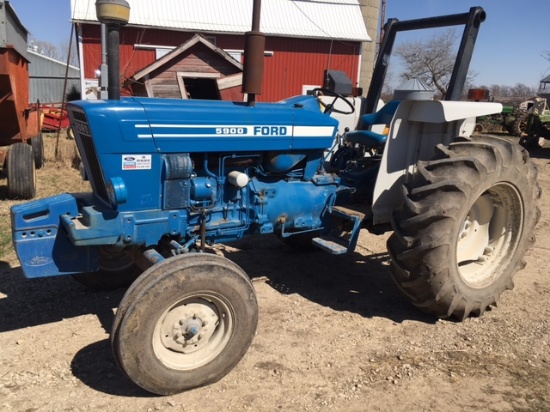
(505, 121)
(534, 124)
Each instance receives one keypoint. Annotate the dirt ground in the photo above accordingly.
(334, 334)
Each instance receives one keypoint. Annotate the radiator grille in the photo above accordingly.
(88, 153)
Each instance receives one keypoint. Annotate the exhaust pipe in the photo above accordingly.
(254, 47)
(113, 13)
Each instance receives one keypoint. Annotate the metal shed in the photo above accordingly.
(47, 77)
(12, 31)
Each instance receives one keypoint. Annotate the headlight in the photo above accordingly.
(118, 194)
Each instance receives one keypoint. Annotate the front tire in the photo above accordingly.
(466, 221)
(186, 322)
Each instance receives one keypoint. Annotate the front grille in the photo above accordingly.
(88, 153)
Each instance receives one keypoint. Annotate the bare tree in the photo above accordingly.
(59, 53)
(518, 92)
(499, 91)
(523, 91)
(45, 48)
(431, 61)
(65, 52)
(387, 87)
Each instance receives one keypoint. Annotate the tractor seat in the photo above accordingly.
(368, 137)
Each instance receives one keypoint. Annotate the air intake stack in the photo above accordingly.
(113, 13)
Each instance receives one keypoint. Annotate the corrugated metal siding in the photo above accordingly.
(336, 19)
(43, 66)
(47, 77)
(296, 63)
(50, 90)
(12, 32)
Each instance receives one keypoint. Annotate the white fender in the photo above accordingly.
(417, 127)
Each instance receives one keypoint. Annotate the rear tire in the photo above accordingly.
(186, 322)
(465, 224)
(37, 144)
(520, 125)
(21, 172)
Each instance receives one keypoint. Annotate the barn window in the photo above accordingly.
(236, 54)
(162, 51)
(211, 39)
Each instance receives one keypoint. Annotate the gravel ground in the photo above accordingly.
(334, 334)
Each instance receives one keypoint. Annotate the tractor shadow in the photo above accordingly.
(3, 185)
(541, 152)
(359, 282)
(35, 302)
(95, 367)
(32, 302)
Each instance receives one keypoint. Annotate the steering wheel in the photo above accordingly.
(329, 108)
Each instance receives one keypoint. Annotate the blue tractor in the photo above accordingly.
(172, 177)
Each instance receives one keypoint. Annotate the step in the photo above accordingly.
(359, 211)
(343, 242)
(331, 244)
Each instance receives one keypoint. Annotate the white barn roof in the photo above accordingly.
(334, 19)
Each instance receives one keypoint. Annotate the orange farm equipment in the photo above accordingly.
(22, 145)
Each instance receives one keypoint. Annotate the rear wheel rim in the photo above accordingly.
(489, 235)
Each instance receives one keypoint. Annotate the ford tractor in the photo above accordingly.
(171, 177)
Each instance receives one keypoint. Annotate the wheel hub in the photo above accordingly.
(474, 236)
(193, 330)
(187, 328)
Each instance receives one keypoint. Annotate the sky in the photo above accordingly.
(508, 48)
(46, 20)
(510, 41)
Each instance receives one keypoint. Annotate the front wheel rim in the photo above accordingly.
(193, 331)
(489, 235)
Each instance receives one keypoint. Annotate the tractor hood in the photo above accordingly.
(175, 125)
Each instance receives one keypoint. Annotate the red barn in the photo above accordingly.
(304, 38)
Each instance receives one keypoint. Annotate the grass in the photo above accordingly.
(58, 175)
